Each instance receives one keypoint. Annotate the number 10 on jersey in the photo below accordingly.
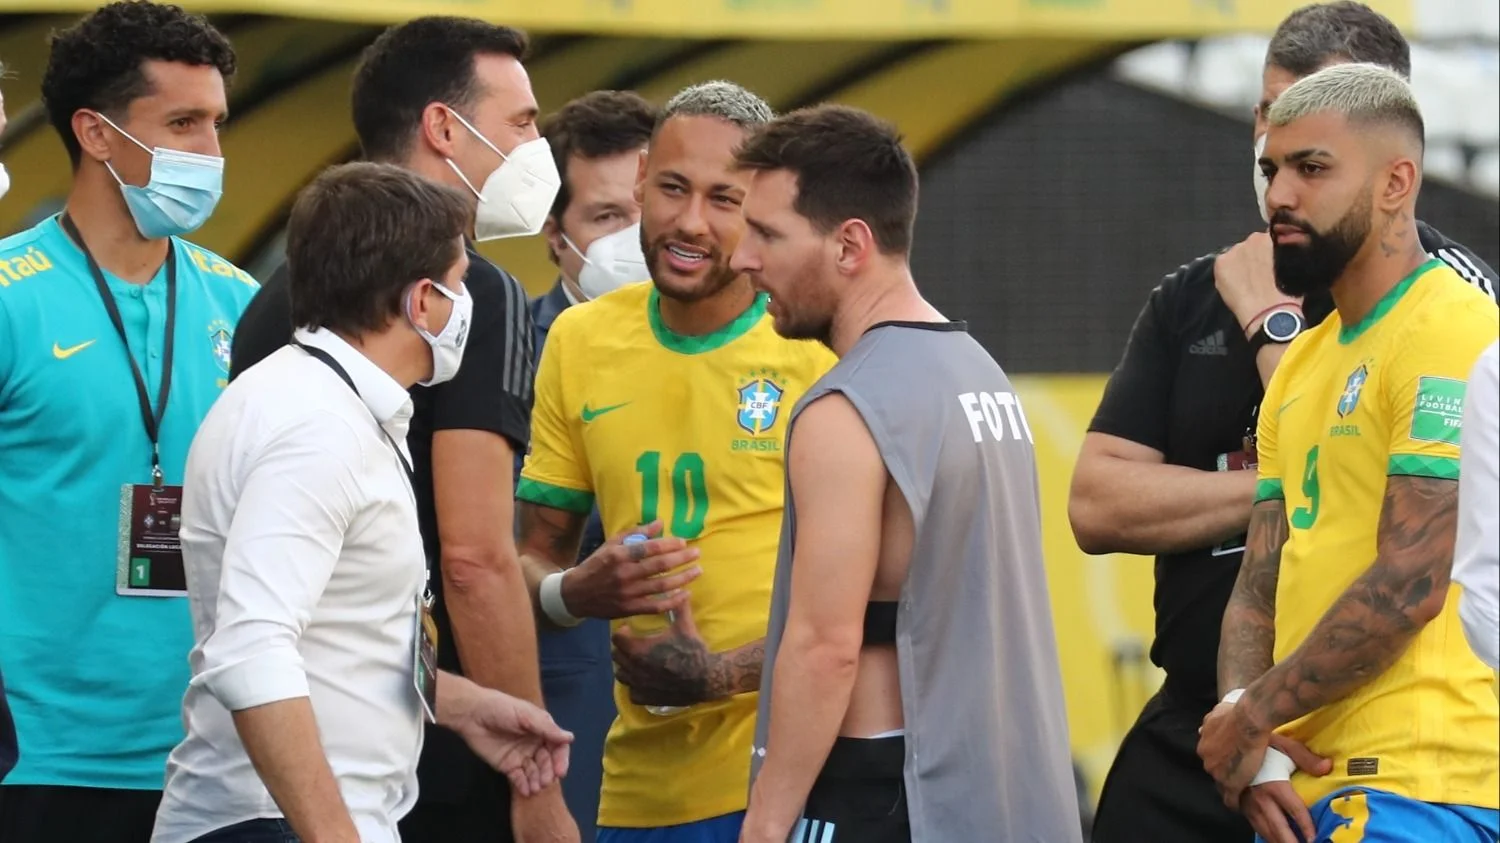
(689, 492)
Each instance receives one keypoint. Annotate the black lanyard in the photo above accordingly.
(411, 477)
(333, 364)
(151, 419)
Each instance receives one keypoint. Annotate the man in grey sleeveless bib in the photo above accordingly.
(984, 757)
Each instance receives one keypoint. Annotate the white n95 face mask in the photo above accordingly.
(517, 196)
(612, 261)
(448, 344)
(4, 181)
(1261, 183)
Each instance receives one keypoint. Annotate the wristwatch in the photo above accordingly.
(1281, 325)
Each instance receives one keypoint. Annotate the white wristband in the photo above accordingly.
(550, 594)
(1278, 767)
(1233, 696)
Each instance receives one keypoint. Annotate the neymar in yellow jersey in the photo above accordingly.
(1342, 633)
(665, 403)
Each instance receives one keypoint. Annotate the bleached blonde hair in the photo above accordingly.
(1364, 94)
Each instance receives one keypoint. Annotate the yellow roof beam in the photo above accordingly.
(933, 95)
(803, 19)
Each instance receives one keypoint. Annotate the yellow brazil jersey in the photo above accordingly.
(1348, 407)
(690, 430)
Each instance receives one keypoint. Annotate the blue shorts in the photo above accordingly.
(725, 829)
(1361, 815)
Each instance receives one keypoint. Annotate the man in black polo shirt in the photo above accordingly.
(1165, 467)
(449, 99)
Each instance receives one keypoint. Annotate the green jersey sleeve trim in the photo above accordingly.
(555, 497)
(1268, 490)
(1416, 465)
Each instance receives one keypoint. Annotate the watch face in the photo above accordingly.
(1282, 326)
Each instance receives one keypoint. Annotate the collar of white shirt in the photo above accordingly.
(388, 402)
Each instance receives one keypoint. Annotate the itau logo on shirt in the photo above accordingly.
(1438, 414)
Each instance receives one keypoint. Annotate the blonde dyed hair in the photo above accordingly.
(1365, 94)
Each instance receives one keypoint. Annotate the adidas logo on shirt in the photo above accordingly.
(1212, 345)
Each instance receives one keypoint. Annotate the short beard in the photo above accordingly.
(1313, 267)
(719, 274)
(812, 317)
(793, 327)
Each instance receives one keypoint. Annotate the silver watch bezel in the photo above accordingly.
(1299, 325)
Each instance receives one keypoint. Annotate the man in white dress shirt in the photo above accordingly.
(1476, 555)
(313, 666)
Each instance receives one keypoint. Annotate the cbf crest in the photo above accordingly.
(759, 402)
(1350, 398)
(221, 341)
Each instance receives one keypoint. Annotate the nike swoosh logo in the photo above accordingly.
(1283, 407)
(590, 415)
(64, 353)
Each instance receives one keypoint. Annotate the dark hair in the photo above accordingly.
(411, 66)
(359, 235)
(849, 165)
(1312, 36)
(98, 62)
(596, 125)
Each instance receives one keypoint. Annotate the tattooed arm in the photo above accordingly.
(548, 543)
(1248, 632)
(1371, 624)
(675, 667)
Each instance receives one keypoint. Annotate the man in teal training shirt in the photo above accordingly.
(114, 342)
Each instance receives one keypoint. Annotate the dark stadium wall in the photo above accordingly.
(1047, 224)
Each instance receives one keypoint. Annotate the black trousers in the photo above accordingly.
(461, 800)
(1157, 790)
(859, 797)
(45, 814)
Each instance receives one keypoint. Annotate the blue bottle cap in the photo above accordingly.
(635, 538)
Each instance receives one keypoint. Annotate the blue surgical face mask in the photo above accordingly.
(181, 195)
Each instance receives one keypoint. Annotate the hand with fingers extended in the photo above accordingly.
(1270, 804)
(619, 580)
(516, 738)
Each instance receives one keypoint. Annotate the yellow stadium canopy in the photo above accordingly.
(799, 19)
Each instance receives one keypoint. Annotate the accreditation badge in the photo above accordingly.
(149, 560)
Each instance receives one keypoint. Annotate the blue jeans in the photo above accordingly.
(252, 831)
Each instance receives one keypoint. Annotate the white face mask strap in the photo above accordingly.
(475, 132)
(411, 297)
(465, 179)
(126, 135)
(574, 246)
